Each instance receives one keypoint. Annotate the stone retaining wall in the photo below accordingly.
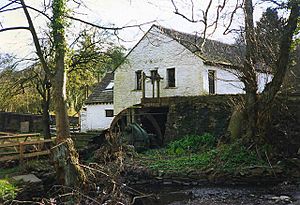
(198, 115)
(211, 114)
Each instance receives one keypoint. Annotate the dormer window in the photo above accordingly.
(110, 86)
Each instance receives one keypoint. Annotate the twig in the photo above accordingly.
(140, 197)
(270, 163)
(23, 202)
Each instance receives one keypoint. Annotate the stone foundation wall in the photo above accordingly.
(198, 115)
(201, 114)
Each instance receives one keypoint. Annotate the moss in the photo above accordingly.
(67, 166)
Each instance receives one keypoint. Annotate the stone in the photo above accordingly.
(31, 178)
(31, 187)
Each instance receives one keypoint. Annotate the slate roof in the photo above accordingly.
(100, 94)
(212, 52)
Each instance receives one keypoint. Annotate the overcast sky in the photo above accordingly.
(105, 12)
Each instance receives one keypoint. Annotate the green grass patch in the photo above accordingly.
(7, 190)
(200, 153)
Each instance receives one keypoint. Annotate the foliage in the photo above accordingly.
(96, 55)
(7, 190)
(269, 31)
(201, 153)
(180, 163)
(234, 156)
(192, 143)
(16, 94)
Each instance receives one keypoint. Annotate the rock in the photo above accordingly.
(32, 187)
(282, 199)
(285, 198)
(167, 183)
(31, 178)
(257, 171)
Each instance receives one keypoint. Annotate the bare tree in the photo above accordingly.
(257, 107)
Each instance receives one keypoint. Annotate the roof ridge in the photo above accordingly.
(163, 29)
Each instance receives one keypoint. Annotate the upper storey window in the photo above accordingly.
(171, 77)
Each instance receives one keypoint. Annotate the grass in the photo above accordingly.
(6, 172)
(200, 153)
(7, 190)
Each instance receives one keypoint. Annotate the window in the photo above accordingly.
(153, 75)
(109, 113)
(138, 77)
(110, 86)
(171, 77)
(211, 81)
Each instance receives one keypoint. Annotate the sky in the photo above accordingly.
(112, 12)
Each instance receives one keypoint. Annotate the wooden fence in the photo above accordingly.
(21, 146)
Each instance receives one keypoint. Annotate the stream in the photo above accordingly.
(211, 195)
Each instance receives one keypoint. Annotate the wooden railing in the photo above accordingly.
(21, 146)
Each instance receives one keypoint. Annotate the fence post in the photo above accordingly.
(21, 152)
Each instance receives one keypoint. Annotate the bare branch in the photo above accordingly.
(14, 28)
(192, 20)
(233, 13)
(7, 5)
(38, 11)
(35, 39)
(109, 28)
(10, 9)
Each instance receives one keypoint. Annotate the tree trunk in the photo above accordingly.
(249, 73)
(65, 157)
(46, 119)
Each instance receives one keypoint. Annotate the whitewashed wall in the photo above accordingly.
(156, 50)
(226, 82)
(262, 80)
(94, 117)
(83, 123)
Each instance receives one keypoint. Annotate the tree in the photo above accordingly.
(65, 157)
(41, 82)
(269, 30)
(17, 95)
(256, 109)
(96, 54)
